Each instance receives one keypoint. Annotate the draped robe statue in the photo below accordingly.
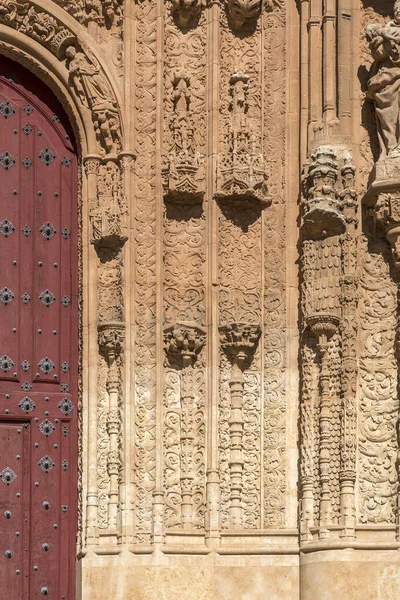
(384, 81)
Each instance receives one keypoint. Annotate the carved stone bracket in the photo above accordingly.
(183, 343)
(241, 169)
(239, 342)
(187, 12)
(241, 12)
(323, 215)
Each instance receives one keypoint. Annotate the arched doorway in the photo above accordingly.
(38, 340)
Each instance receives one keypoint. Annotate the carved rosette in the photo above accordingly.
(239, 342)
(241, 168)
(322, 204)
(182, 343)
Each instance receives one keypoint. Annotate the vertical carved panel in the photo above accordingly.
(184, 241)
(145, 263)
(274, 426)
(378, 387)
(184, 302)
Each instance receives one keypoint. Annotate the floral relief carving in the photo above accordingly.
(275, 271)
(145, 264)
(378, 416)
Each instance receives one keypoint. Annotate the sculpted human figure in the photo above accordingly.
(95, 93)
(384, 82)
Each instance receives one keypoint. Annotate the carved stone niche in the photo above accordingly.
(183, 168)
(323, 215)
(383, 198)
(186, 13)
(241, 169)
(108, 212)
(241, 12)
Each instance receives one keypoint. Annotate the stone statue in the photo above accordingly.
(384, 81)
(94, 92)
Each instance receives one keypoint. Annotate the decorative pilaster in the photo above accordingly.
(183, 342)
(349, 301)
(111, 337)
(239, 342)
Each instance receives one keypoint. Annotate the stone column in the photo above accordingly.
(324, 327)
(183, 342)
(239, 342)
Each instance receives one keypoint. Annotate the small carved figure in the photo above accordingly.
(181, 94)
(94, 92)
(186, 12)
(384, 81)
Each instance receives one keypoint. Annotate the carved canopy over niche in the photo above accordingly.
(86, 75)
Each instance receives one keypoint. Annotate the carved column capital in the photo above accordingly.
(241, 12)
(239, 342)
(91, 164)
(183, 342)
(111, 337)
(186, 13)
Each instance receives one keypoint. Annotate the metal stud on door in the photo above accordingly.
(38, 341)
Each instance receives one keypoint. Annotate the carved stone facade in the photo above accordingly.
(240, 253)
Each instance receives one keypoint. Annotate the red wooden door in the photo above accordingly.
(38, 341)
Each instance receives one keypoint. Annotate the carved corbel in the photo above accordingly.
(242, 12)
(239, 342)
(186, 13)
(241, 169)
(323, 215)
(183, 343)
